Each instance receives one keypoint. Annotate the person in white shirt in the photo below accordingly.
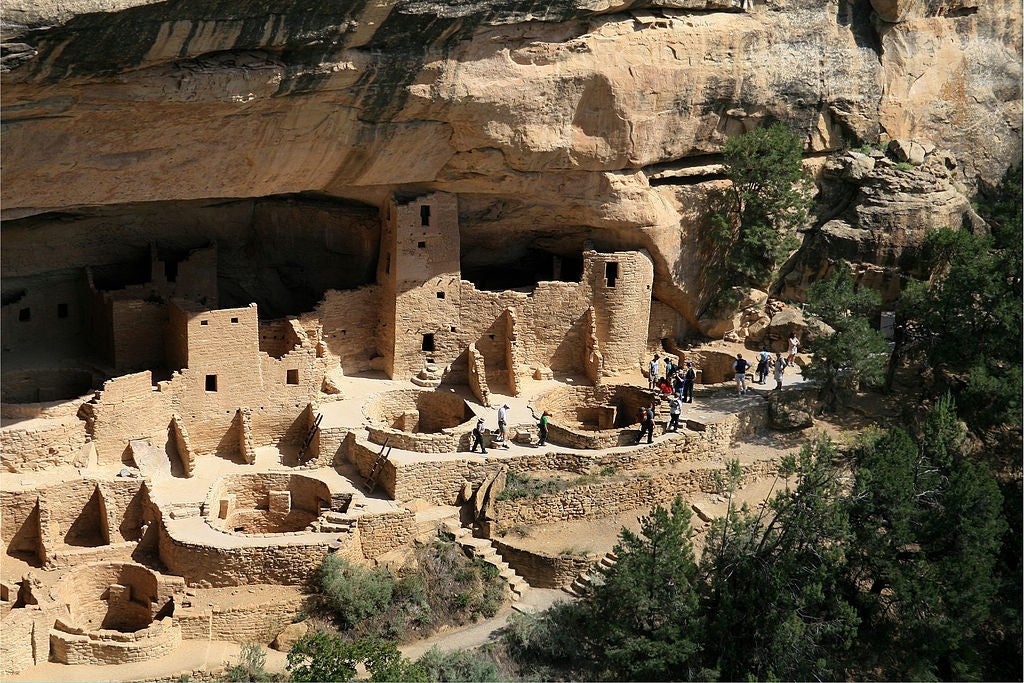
(794, 346)
(503, 425)
(654, 372)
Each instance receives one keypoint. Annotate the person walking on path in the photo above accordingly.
(780, 366)
(674, 409)
(646, 424)
(688, 381)
(740, 367)
(503, 425)
(794, 346)
(654, 372)
(478, 436)
(764, 359)
(543, 427)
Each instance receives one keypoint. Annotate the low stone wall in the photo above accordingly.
(18, 629)
(602, 499)
(73, 646)
(42, 445)
(286, 563)
(542, 570)
(382, 533)
(439, 481)
(253, 623)
(590, 440)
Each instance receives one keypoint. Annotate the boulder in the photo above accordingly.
(289, 636)
(906, 150)
(894, 11)
(789, 410)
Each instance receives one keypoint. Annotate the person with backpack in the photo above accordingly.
(478, 437)
(764, 359)
(646, 424)
(740, 367)
(674, 409)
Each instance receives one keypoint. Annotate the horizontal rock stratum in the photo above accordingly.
(570, 119)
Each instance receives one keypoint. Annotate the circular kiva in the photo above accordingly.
(421, 421)
(593, 417)
(114, 612)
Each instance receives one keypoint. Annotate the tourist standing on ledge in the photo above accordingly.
(740, 367)
(780, 366)
(654, 372)
(646, 424)
(689, 379)
(794, 346)
(503, 425)
(764, 359)
(543, 427)
(673, 412)
(478, 436)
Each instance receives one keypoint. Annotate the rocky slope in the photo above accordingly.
(555, 122)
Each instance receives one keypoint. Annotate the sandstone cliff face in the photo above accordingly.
(555, 122)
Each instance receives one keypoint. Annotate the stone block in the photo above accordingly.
(280, 502)
(226, 505)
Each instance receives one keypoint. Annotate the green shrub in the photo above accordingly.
(523, 486)
(458, 665)
(251, 660)
(354, 593)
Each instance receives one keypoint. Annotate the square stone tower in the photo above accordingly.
(419, 273)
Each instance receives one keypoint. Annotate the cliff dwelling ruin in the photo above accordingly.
(264, 269)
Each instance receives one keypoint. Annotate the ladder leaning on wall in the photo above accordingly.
(313, 428)
(378, 464)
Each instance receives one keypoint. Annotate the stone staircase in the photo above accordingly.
(483, 549)
(593, 577)
(330, 522)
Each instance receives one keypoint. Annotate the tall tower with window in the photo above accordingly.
(419, 273)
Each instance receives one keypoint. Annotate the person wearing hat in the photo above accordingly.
(503, 425)
(688, 381)
(654, 372)
(543, 427)
(478, 436)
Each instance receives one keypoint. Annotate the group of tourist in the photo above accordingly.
(676, 383)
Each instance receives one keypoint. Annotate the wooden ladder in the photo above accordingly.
(371, 479)
(309, 435)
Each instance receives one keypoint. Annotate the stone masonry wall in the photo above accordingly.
(350, 320)
(287, 563)
(43, 444)
(543, 570)
(382, 533)
(620, 285)
(156, 641)
(257, 622)
(127, 408)
(606, 498)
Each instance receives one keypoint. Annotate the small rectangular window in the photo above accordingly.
(204, 322)
(428, 342)
(440, 295)
(421, 245)
(293, 377)
(234, 320)
(425, 215)
(387, 265)
(211, 382)
(25, 314)
(62, 310)
(611, 273)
